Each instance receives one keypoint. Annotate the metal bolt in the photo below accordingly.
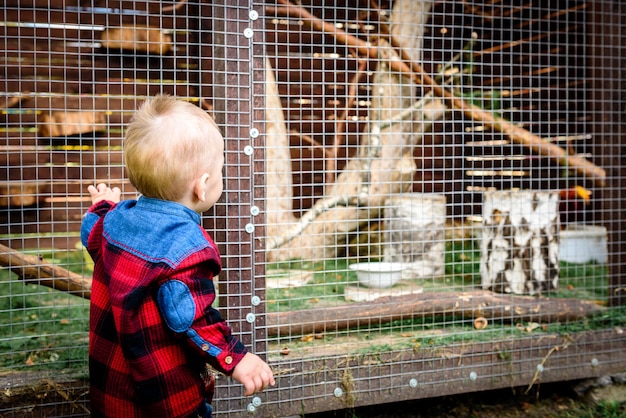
(254, 132)
(251, 408)
(338, 393)
(254, 210)
(248, 150)
(473, 376)
(253, 15)
(413, 383)
(248, 33)
(250, 228)
(256, 401)
(256, 301)
(251, 317)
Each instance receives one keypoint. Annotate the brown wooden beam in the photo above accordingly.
(607, 108)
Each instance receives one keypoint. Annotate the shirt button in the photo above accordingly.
(205, 347)
(228, 360)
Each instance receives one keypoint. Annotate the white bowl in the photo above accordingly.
(378, 274)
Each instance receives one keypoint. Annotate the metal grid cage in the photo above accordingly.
(469, 151)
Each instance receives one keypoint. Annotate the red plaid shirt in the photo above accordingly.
(152, 327)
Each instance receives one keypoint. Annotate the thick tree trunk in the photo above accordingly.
(279, 192)
(383, 165)
(520, 242)
(475, 304)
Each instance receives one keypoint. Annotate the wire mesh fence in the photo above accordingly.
(421, 198)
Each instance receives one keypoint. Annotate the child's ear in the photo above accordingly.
(198, 187)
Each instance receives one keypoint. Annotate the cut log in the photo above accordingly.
(13, 100)
(67, 123)
(520, 241)
(474, 304)
(35, 270)
(415, 234)
(137, 38)
(20, 194)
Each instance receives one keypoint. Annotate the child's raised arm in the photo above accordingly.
(104, 192)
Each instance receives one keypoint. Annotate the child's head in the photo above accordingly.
(168, 145)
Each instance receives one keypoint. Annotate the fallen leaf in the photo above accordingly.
(30, 361)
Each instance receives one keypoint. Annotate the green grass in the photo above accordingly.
(462, 273)
(606, 409)
(583, 281)
(41, 327)
(331, 277)
(326, 288)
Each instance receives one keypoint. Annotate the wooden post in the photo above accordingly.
(520, 242)
(607, 90)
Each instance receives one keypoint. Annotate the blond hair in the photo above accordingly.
(167, 143)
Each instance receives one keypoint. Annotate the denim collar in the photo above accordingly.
(167, 207)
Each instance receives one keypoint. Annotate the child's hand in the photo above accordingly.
(254, 374)
(103, 192)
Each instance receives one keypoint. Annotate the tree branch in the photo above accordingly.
(411, 68)
(31, 268)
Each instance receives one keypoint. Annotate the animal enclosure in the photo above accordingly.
(472, 152)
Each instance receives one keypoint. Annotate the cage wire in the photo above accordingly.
(463, 157)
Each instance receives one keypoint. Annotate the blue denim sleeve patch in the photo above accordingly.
(178, 310)
(88, 223)
(177, 305)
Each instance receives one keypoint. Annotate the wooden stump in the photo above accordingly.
(20, 194)
(137, 38)
(520, 242)
(414, 234)
(71, 122)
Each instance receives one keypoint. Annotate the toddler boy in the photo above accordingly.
(152, 325)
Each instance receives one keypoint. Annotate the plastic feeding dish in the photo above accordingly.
(379, 274)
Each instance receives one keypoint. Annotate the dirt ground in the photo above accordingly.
(592, 399)
(598, 398)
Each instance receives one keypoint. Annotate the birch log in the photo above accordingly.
(279, 192)
(520, 242)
